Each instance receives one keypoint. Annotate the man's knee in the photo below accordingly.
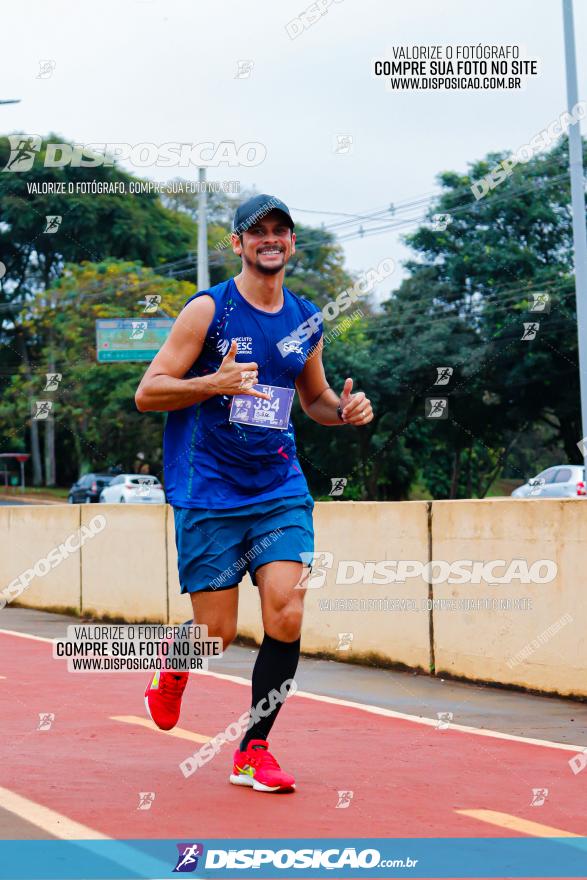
(218, 613)
(222, 629)
(285, 623)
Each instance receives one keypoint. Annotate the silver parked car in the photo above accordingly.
(561, 481)
(133, 489)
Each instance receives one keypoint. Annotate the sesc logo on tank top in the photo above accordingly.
(290, 346)
(244, 345)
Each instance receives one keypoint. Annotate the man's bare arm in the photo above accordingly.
(321, 403)
(317, 398)
(163, 388)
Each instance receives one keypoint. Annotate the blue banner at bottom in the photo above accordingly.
(498, 857)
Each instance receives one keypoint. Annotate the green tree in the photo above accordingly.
(97, 424)
(469, 293)
(92, 227)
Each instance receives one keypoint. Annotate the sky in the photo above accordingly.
(160, 71)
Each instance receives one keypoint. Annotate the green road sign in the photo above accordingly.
(130, 339)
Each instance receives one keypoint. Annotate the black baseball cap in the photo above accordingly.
(247, 214)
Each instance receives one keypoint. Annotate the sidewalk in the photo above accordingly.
(7, 498)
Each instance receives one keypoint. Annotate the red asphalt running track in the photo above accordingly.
(408, 779)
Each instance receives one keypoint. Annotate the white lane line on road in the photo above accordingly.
(12, 632)
(179, 732)
(516, 823)
(49, 820)
(373, 710)
(64, 828)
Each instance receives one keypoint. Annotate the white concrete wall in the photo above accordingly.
(483, 644)
(129, 570)
(124, 569)
(27, 534)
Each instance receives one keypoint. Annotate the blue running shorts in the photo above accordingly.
(216, 547)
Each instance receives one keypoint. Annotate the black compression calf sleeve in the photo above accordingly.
(276, 663)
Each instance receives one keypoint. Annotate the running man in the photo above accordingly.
(227, 375)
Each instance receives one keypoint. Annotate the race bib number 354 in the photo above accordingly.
(272, 413)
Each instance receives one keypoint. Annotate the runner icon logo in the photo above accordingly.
(440, 222)
(138, 329)
(53, 380)
(539, 796)
(338, 484)
(244, 68)
(343, 144)
(23, 148)
(444, 719)
(436, 408)
(444, 375)
(541, 303)
(530, 330)
(52, 223)
(187, 861)
(46, 68)
(344, 800)
(344, 641)
(146, 799)
(152, 302)
(46, 719)
(319, 561)
(42, 409)
(242, 411)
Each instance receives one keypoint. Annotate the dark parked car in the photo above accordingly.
(87, 489)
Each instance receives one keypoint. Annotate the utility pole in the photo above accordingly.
(50, 463)
(578, 210)
(203, 273)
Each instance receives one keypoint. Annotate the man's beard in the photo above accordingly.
(264, 270)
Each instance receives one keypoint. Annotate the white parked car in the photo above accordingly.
(562, 481)
(133, 489)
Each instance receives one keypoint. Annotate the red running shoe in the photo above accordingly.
(257, 768)
(163, 697)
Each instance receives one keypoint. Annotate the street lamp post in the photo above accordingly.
(578, 210)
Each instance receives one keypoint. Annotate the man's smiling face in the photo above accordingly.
(267, 245)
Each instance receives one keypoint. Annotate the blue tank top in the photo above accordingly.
(213, 463)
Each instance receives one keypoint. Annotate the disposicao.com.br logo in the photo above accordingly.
(26, 148)
(325, 859)
(437, 571)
